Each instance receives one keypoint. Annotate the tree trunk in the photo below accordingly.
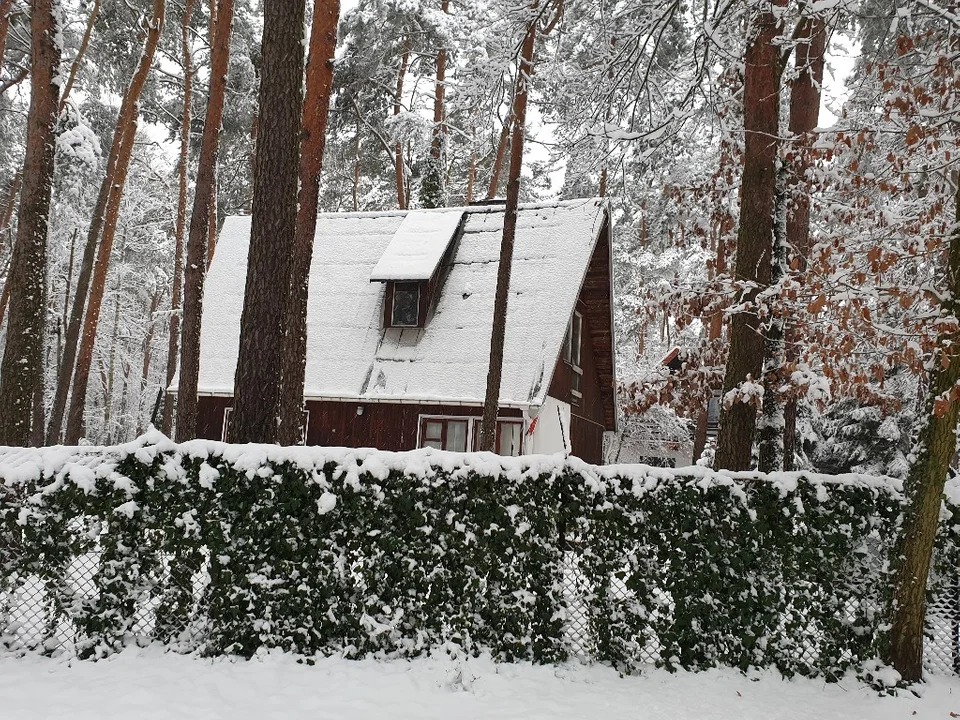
(804, 116)
(398, 149)
(111, 367)
(84, 44)
(471, 177)
(925, 481)
(173, 338)
(498, 161)
(273, 230)
(491, 404)
(5, 7)
(21, 370)
(432, 186)
(6, 216)
(121, 146)
(81, 373)
(148, 348)
(738, 414)
(770, 436)
(316, 106)
(197, 241)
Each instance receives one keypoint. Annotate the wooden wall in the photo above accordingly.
(387, 426)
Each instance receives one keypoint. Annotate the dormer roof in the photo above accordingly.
(418, 245)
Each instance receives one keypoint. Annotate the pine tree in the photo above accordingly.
(21, 371)
(273, 231)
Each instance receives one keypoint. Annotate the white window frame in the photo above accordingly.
(473, 427)
(568, 354)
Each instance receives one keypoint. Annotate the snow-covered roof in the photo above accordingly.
(350, 356)
(417, 247)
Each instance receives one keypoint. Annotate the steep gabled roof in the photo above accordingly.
(350, 356)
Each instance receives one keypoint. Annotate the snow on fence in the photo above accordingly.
(228, 549)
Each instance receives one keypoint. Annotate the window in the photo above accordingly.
(406, 305)
(572, 356)
(509, 437)
(444, 433)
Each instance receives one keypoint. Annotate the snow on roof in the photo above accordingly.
(350, 356)
(417, 247)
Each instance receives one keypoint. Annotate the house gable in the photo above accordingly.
(354, 355)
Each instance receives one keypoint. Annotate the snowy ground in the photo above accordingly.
(147, 684)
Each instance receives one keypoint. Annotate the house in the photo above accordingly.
(398, 329)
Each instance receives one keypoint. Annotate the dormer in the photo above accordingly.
(411, 265)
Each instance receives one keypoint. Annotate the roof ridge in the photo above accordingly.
(538, 205)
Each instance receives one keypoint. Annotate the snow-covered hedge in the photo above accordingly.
(359, 551)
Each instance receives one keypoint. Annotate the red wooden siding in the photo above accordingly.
(387, 426)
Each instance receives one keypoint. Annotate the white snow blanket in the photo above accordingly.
(151, 685)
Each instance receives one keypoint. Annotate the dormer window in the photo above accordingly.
(411, 265)
(405, 310)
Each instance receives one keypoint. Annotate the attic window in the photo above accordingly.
(405, 311)
(572, 356)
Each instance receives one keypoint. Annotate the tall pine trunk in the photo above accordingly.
(738, 414)
(81, 375)
(398, 148)
(273, 230)
(498, 161)
(81, 51)
(316, 105)
(804, 116)
(491, 404)
(198, 241)
(120, 148)
(432, 186)
(21, 370)
(925, 481)
(173, 337)
(770, 435)
(5, 7)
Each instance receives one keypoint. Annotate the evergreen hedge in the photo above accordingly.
(396, 554)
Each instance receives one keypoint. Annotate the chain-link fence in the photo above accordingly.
(30, 620)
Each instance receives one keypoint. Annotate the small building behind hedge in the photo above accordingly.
(399, 318)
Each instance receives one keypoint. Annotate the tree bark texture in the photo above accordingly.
(804, 116)
(273, 231)
(398, 148)
(21, 370)
(498, 161)
(195, 269)
(173, 338)
(81, 373)
(925, 481)
(770, 436)
(120, 146)
(316, 107)
(738, 418)
(432, 186)
(5, 7)
(491, 405)
(81, 51)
